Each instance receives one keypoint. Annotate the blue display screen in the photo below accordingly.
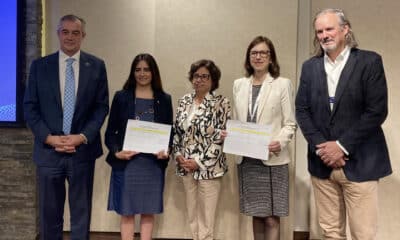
(8, 61)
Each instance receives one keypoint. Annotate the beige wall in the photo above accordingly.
(178, 32)
(302, 181)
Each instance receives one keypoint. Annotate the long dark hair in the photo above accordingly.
(273, 67)
(156, 85)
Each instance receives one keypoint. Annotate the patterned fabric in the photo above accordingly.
(263, 190)
(69, 96)
(139, 188)
(255, 91)
(200, 137)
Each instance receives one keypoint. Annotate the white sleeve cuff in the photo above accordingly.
(317, 151)
(343, 149)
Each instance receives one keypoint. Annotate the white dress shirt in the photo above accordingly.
(62, 57)
(333, 71)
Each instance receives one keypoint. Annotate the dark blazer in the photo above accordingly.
(122, 107)
(43, 109)
(355, 120)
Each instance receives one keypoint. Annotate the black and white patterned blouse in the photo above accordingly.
(197, 136)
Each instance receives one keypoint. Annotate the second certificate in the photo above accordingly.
(247, 139)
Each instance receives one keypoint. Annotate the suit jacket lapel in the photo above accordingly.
(264, 93)
(54, 77)
(242, 101)
(130, 105)
(202, 109)
(344, 79)
(84, 77)
(323, 84)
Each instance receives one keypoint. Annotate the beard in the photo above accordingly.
(328, 48)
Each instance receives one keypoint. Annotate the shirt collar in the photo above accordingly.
(208, 95)
(63, 57)
(342, 56)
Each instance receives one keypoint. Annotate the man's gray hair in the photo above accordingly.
(343, 21)
(72, 18)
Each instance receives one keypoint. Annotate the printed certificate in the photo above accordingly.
(146, 137)
(247, 139)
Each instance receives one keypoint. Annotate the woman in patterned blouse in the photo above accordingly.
(197, 146)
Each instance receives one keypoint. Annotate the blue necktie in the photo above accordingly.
(69, 96)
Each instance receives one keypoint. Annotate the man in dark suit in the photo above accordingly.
(340, 106)
(66, 102)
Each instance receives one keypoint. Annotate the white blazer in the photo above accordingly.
(276, 108)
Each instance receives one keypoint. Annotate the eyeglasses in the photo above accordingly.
(263, 54)
(201, 77)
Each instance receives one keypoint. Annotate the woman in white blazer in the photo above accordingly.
(265, 98)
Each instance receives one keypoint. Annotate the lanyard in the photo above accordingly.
(252, 110)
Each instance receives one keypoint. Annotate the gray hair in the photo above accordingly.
(343, 21)
(72, 18)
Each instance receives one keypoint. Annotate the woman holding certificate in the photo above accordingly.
(263, 97)
(137, 179)
(197, 146)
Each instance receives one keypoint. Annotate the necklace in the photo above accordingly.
(253, 109)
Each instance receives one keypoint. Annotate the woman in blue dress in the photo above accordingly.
(137, 179)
